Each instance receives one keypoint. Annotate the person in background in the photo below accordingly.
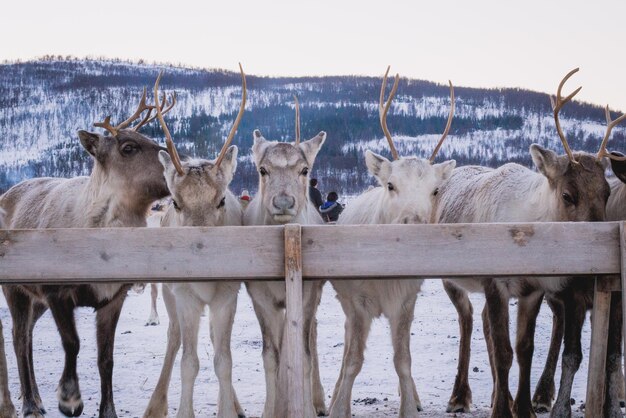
(244, 199)
(331, 209)
(315, 195)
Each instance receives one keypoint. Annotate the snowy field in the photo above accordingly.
(140, 349)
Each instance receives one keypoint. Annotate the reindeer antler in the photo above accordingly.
(147, 119)
(383, 108)
(171, 149)
(610, 125)
(231, 134)
(142, 107)
(297, 120)
(445, 131)
(556, 108)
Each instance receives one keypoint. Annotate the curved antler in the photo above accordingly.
(383, 108)
(556, 108)
(297, 120)
(231, 134)
(171, 149)
(445, 131)
(610, 124)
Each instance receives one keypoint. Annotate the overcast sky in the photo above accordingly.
(482, 43)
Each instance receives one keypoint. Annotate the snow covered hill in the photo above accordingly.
(43, 103)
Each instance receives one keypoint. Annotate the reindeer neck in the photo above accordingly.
(110, 204)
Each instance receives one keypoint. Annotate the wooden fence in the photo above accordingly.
(294, 253)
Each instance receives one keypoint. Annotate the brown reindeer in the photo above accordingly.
(126, 178)
(571, 187)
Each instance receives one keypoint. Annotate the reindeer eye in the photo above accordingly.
(436, 191)
(176, 206)
(128, 149)
(568, 198)
(262, 171)
(222, 203)
(305, 171)
(390, 187)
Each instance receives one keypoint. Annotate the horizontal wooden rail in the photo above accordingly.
(363, 251)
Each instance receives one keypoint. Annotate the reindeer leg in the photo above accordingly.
(575, 309)
(21, 308)
(222, 316)
(338, 384)
(157, 408)
(400, 323)
(68, 391)
(154, 315)
(188, 311)
(527, 311)
(358, 324)
(106, 323)
(271, 321)
(310, 308)
(461, 397)
(498, 314)
(614, 380)
(7, 410)
(545, 390)
(38, 310)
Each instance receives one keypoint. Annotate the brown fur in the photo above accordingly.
(125, 180)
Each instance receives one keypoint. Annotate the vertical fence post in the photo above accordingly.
(597, 353)
(293, 324)
(622, 250)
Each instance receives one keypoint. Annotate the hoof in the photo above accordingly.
(152, 321)
(38, 413)
(71, 407)
(457, 408)
(321, 412)
(241, 416)
(419, 408)
(541, 407)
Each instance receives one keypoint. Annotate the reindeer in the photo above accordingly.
(615, 211)
(407, 188)
(570, 187)
(125, 180)
(282, 198)
(201, 197)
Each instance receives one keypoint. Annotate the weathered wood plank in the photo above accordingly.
(597, 354)
(294, 321)
(461, 250)
(136, 254)
(175, 254)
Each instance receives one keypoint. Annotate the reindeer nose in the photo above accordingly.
(284, 202)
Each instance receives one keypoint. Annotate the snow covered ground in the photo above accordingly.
(139, 354)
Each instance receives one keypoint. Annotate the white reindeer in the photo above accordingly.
(125, 180)
(571, 187)
(199, 189)
(282, 198)
(406, 191)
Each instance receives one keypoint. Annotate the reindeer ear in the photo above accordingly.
(444, 170)
(619, 167)
(546, 161)
(89, 141)
(259, 144)
(312, 146)
(166, 161)
(229, 163)
(378, 166)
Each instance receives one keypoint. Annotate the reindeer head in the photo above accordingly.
(576, 179)
(410, 183)
(284, 174)
(199, 187)
(129, 161)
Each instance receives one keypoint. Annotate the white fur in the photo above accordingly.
(284, 164)
(413, 182)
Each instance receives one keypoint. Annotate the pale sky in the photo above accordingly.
(486, 43)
